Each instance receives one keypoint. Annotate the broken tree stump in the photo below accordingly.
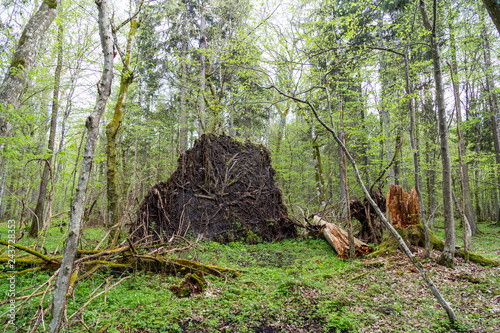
(402, 207)
(337, 238)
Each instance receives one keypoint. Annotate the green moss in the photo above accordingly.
(17, 63)
(51, 3)
(479, 259)
(414, 235)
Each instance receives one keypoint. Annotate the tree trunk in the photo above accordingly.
(467, 230)
(416, 159)
(23, 60)
(350, 235)
(386, 121)
(469, 212)
(184, 74)
(318, 169)
(38, 219)
(92, 125)
(126, 79)
(493, 7)
(447, 256)
(492, 98)
(203, 70)
(339, 240)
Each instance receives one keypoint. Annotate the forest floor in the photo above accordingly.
(289, 286)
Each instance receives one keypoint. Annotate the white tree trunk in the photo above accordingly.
(92, 124)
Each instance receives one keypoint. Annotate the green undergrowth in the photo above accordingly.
(290, 286)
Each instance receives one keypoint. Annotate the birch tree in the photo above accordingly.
(92, 125)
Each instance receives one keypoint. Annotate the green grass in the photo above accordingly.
(290, 286)
(486, 242)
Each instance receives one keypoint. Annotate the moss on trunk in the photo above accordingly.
(414, 236)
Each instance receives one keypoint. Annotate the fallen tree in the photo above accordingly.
(156, 258)
(338, 239)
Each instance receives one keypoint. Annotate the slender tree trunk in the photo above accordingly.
(203, 70)
(318, 170)
(126, 79)
(416, 159)
(492, 98)
(341, 172)
(366, 147)
(462, 206)
(350, 235)
(38, 220)
(431, 153)
(386, 121)
(447, 256)
(92, 124)
(469, 212)
(184, 74)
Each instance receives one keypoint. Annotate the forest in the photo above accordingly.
(249, 166)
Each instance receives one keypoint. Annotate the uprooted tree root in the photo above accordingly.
(222, 189)
(371, 227)
(414, 236)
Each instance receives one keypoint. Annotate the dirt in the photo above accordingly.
(222, 190)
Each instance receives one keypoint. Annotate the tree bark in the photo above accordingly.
(77, 209)
(203, 70)
(492, 99)
(350, 235)
(448, 253)
(184, 74)
(469, 212)
(493, 8)
(22, 62)
(416, 159)
(38, 219)
(112, 129)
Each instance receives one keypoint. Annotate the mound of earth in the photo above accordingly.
(222, 189)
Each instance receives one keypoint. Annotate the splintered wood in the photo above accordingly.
(337, 238)
(403, 207)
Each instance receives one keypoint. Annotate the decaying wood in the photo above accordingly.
(338, 239)
(403, 207)
(124, 258)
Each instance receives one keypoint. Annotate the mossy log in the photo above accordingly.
(119, 259)
(414, 236)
